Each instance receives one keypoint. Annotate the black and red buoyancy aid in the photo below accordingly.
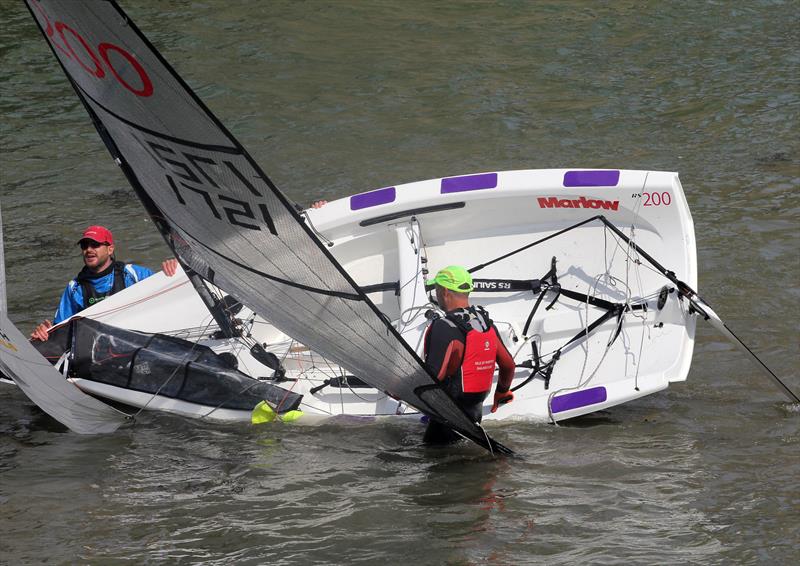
(476, 372)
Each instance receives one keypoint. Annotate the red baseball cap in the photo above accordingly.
(99, 234)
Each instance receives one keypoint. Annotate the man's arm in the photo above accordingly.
(168, 266)
(444, 350)
(505, 361)
(68, 306)
(71, 301)
(139, 273)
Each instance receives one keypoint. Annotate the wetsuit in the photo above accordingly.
(461, 350)
(97, 287)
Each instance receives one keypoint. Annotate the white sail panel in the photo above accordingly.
(223, 216)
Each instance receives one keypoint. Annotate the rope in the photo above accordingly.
(611, 281)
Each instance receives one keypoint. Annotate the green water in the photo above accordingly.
(333, 98)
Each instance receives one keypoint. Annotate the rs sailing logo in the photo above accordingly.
(583, 202)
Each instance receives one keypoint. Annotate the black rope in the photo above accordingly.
(536, 243)
(612, 310)
(536, 365)
(552, 280)
(615, 312)
(533, 311)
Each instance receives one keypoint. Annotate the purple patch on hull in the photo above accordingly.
(469, 183)
(578, 399)
(591, 178)
(372, 198)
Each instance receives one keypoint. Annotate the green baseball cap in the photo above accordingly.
(454, 277)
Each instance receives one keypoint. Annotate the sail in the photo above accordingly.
(221, 214)
(20, 362)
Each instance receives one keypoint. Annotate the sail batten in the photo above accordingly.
(173, 139)
(222, 215)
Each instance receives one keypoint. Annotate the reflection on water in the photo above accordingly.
(336, 98)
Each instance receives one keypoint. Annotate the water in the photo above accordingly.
(335, 98)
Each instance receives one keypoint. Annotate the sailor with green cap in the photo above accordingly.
(462, 349)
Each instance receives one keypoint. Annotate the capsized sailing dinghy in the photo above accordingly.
(590, 323)
(342, 285)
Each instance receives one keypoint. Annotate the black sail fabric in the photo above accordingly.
(220, 213)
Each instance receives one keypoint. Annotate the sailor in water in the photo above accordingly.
(100, 277)
(461, 350)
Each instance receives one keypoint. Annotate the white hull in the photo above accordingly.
(390, 235)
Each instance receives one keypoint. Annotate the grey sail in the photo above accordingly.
(38, 379)
(219, 211)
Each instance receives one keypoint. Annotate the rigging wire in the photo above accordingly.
(419, 271)
(631, 251)
(582, 383)
(610, 281)
(631, 259)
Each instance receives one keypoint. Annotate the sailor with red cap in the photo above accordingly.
(100, 277)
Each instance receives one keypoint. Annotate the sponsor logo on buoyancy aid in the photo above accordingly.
(582, 202)
(476, 372)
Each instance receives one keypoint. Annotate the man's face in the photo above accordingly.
(96, 256)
